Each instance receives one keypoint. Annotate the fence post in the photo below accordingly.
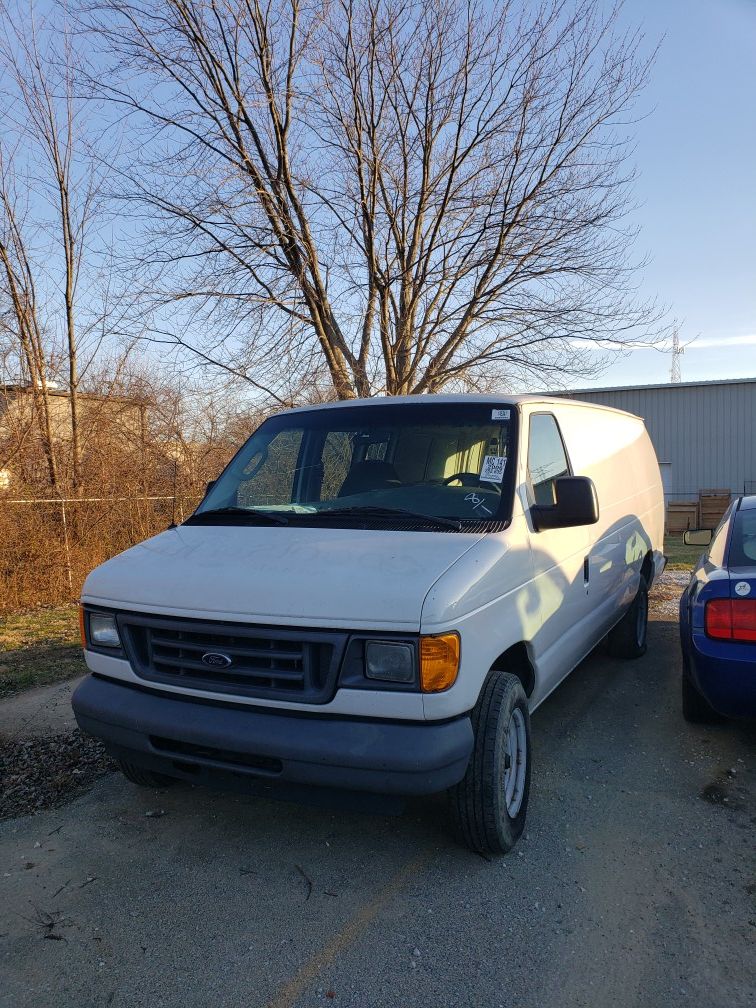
(67, 547)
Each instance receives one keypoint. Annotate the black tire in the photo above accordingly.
(478, 804)
(144, 778)
(696, 709)
(629, 638)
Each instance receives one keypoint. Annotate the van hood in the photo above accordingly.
(363, 579)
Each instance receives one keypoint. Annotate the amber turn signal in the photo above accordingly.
(439, 662)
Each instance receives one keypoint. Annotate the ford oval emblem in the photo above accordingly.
(216, 660)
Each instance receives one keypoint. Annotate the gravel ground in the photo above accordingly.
(634, 886)
(664, 600)
(38, 774)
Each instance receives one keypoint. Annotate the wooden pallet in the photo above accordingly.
(682, 515)
(712, 505)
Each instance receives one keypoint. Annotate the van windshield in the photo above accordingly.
(437, 460)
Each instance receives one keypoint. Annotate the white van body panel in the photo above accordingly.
(613, 449)
(523, 586)
(328, 578)
(319, 577)
(556, 592)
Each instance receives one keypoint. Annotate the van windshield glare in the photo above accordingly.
(441, 460)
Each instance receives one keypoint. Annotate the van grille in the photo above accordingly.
(254, 661)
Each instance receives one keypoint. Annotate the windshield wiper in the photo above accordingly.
(277, 519)
(384, 512)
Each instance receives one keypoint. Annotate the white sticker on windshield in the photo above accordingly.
(500, 414)
(493, 468)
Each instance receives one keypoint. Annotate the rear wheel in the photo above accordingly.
(144, 778)
(489, 805)
(628, 639)
(696, 708)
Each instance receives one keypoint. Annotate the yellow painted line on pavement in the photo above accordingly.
(288, 994)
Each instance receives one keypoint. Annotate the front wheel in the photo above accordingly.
(144, 778)
(489, 805)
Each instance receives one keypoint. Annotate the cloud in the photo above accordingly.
(690, 345)
(715, 342)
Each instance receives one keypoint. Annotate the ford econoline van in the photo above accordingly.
(375, 595)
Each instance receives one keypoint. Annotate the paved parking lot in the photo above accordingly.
(634, 885)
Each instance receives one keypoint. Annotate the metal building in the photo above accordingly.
(704, 433)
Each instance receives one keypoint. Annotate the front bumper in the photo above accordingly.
(226, 746)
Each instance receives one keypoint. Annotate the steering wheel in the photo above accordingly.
(469, 479)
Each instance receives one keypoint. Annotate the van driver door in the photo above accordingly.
(559, 561)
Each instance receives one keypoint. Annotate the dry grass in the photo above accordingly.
(44, 562)
(680, 556)
(38, 648)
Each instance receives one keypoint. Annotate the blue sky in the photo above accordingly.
(696, 154)
(696, 187)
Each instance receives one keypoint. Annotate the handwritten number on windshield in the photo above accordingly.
(478, 503)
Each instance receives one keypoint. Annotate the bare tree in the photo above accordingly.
(21, 319)
(421, 192)
(46, 157)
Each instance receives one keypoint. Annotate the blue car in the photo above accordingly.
(718, 621)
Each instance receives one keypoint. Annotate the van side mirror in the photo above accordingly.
(210, 486)
(697, 537)
(576, 504)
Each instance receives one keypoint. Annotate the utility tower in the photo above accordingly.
(677, 352)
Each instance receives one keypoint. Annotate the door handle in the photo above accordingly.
(586, 571)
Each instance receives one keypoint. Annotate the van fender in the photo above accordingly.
(488, 596)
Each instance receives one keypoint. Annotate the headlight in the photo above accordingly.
(103, 630)
(390, 662)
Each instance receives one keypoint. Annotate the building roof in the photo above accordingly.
(661, 385)
(53, 390)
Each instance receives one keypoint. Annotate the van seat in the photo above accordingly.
(371, 474)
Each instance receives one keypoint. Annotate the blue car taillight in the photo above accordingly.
(731, 619)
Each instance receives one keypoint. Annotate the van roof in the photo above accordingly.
(496, 400)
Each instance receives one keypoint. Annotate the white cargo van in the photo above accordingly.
(375, 595)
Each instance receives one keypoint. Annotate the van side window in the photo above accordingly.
(547, 459)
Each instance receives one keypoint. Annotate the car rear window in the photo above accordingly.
(743, 542)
